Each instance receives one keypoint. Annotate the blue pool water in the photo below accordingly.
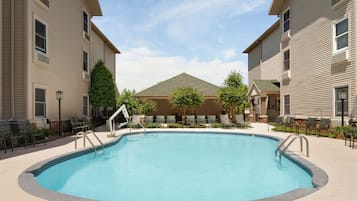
(178, 167)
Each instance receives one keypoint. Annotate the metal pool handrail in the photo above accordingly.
(85, 136)
(294, 137)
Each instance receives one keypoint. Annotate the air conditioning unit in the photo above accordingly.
(85, 75)
(41, 58)
(286, 75)
(86, 35)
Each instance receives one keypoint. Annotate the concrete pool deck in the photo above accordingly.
(337, 160)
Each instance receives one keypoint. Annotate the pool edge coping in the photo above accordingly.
(27, 181)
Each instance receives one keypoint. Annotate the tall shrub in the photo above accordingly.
(102, 88)
(186, 99)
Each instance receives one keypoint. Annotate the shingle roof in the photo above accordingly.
(268, 85)
(167, 87)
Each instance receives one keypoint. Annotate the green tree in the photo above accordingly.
(147, 106)
(102, 88)
(128, 98)
(233, 95)
(186, 99)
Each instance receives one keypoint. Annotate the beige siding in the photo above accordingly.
(254, 68)
(101, 51)
(19, 60)
(1, 66)
(6, 62)
(96, 49)
(65, 45)
(313, 76)
(271, 58)
(264, 60)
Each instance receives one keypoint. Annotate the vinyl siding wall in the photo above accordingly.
(13, 60)
(264, 61)
(313, 76)
(65, 47)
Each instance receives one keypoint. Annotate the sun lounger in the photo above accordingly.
(160, 119)
(190, 120)
(201, 120)
(211, 119)
(225, 120)
(171, 119)
(149, 119)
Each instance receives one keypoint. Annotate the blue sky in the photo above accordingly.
(162, 38)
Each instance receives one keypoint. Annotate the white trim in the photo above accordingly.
(85, 34)
(282, 20)
(334, 43)
(85, 95)
(283, 109)
(340, 85)
(34, 35)
(39, 86)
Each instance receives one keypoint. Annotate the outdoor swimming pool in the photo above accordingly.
(178, 166)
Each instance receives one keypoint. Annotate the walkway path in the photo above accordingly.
(338, 161)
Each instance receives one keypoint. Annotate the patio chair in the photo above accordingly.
(201, 120)
(149, 119)
(160, 119)
(211, 119)
(190, 120)
(225, 120)
(24, 127)
(135, 121)
(5, 131)
(171, 119)
(78, 125)
(13, 136)
(239, 119)
(324, 125)
(311, 125)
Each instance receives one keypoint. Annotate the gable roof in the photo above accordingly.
(275, 7)
(104, 38)
(267, 33)
(166, 88)
(264, 86)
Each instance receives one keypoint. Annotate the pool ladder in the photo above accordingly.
(85, 137)
(281, 149)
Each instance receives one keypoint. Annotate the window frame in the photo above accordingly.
(85, 25)
(36, 48)
(85, 107)
(284, 21)
(286, 61)
(337, 101)
(285, 105)
(83, 61)
(335, 46)
(35, 102)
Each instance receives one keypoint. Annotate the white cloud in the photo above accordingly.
(229, 54)
(186, 19)
(141, 68)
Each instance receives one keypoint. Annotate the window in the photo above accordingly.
(85, 61)
(287, 60)
(40, 103)
(286, 104)
(333, 2)
(85, 22)
(40, 36)
(341, 34)
(338, 102)
(85, 105)
(286, 21)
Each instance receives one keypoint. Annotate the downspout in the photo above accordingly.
(12, 59)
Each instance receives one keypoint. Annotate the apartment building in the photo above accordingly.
(317, 68)
(48, 46)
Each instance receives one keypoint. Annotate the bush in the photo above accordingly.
(152, 125)
(175, 126)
